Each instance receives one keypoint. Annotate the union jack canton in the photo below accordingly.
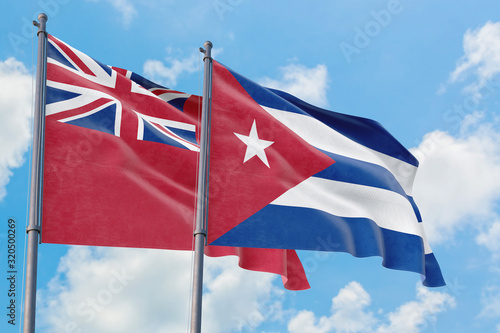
(84, 92)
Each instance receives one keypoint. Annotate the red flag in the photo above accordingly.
(120, 164)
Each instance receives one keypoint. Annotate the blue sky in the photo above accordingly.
(429, 71)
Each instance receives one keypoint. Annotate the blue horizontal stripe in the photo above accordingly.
(366, 132)
(349, 170)
(309, 229)
(415, 208)
(433, 276)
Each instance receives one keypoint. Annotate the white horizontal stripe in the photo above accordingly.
(325, 138)
(427, 247)
(387, 209)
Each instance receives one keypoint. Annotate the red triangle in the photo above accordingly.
(239, 189)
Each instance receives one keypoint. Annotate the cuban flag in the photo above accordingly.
(120, 164)
(287, 175)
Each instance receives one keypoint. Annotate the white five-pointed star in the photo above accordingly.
(255, 146)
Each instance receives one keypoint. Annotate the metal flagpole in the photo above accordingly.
(200, 232)
(33, 229)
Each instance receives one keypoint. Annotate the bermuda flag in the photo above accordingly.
(287, 175)
(121, 161)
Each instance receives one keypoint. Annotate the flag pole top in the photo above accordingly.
(42, 19)
(42, 16)
(207, 51)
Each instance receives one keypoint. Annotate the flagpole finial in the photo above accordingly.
(42, 16)
(207, 51)
(42, 19)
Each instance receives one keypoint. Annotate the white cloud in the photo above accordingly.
(481, 57)
(309, 84)
(151, 294)
(457, 183)
(348, 309)
(156, 71)
(235, 298)
(15, 115)
(167, 75)
(491, 238)
(350, 314)
(131, 290)
(414, 316)
(460, 172)
(305, 321)
(125, 8)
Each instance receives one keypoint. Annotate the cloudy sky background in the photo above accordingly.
(428, 71)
